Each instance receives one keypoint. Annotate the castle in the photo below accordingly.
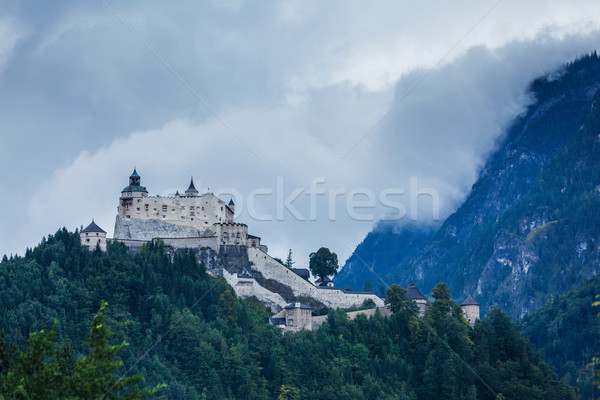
(205, 222)
(191, 220)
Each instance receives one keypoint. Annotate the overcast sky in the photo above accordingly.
(262, 99)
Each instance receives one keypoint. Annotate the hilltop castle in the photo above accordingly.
(205, 222)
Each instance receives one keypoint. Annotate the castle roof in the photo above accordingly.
(134, 174)
(231, 203)
(469, 301)
(134, 189)
(297, 305)
(413, 293)
(92, 228)
(191, 191)
(325, 280)
(301, 272)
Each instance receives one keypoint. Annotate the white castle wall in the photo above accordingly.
(198, 212)
(330, 297)
(248, 287)
(91, 239)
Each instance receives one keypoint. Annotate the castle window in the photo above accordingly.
(191, 213)
(221, 208)
(202, 208)
(87, 240)
(97, 233)
(138, 209)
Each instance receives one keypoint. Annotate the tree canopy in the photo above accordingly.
(323, 263)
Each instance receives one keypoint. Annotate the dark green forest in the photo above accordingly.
(566, 332)
(188, 330)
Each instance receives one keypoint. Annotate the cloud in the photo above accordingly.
(10, 33)
(299, 82)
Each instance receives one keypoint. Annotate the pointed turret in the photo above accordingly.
(191, 191)
(470, 301)
(470, 309)
(93, 228)
(414, 293)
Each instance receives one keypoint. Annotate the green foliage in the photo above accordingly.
(288, 261)
(323, 263)
(47, 371)
(189, 330)
(566, 332)
(396, 300)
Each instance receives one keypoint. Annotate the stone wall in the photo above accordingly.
(330, 297)
(248, 287)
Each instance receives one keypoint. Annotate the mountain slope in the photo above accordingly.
(495, 245)
(566, 331)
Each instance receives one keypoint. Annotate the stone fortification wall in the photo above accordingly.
(331, 297)
(192, 242)
(138, 229)
(318, 320)
(232, 234)
(248, 287)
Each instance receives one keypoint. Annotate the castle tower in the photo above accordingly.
(191, 191)
(93, 235)
(131, 195)
(471, 310)
(231, 206)
(413, 293)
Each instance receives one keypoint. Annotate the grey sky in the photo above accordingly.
(300, 82)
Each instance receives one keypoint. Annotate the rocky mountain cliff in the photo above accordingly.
(529, 228)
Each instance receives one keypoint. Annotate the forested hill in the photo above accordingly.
(529, 228)
(188, 330)
(566, 331)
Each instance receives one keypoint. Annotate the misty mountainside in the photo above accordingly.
(367, 266)
(529, 229)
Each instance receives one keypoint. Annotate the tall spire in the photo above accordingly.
(191, 191)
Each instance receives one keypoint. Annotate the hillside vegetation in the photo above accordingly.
(188, 330)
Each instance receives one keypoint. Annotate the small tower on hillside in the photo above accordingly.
(93, 235)
(471, 310)
(414, 294)
(191, 191)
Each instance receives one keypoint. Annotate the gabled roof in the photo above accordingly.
(297, 305)
(92, 228)
(323, 280)
(413, 292)
(302, 272)
(469, 301)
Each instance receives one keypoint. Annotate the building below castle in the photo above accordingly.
(93, 236)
